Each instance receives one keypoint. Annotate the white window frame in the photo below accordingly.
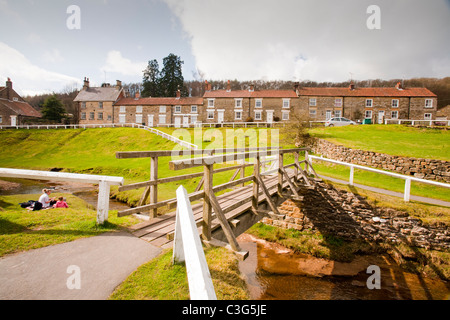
(100, 116)
(162, 119)
(286, 103)
(193, 119)
(394, 114)
(209, 115)
(177, 109)
(260, 102)
(123, 109)
(338, 113)
(122, 118)
(211, 103)
(285, 115)
(395, 103)
(238, 103)
(367, 103)
(138, 109)
(428, 103)
(194, 109)
(313, 102)
(428, 116)
(162, 109)
(313, 113)
(259, 112)
(83, 105)
(366, 113)
(83, 116)
(91, 115)
(338, 102)
(236, 113)
(100, 104)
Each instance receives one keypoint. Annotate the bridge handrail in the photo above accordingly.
(408, 179)
(187, 248)
(104, 184)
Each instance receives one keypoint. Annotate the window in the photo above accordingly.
(91, 116)
(15, 99)
(162, 109)
(337, 113)
(121, 118)
(123, 109)
(394, 103)
(83, 116)
(211, 103)
(394, 115)
(238, 115)
(138, 109)
(193, 119)
(193, 109)
(427, 116)
(258, 103)
(177, 109)
(258, 115)
(428, 103)
(100, 105)
(210, 115)
(109, 117)
(139, 118)
(100, 116)
(369, 103)
(312, 102)
(285, 115)
(312, 113)
(338, 102)
(286, 103)
(1, 119)
(83, 105)
(238, 103)
(368, 114)
(162, 119)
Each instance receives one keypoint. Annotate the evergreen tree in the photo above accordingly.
(53, 109)
(172, 76)
(151, 80)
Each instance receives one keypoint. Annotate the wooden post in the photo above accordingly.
(280, 175)
(256, 173)
(154, 188)
(103, 202)
(207, 208)
(306, 162)
(243, 170)
(297, 164)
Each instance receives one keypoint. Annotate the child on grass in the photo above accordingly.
(60, 203)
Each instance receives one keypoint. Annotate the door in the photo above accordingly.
(380, 117)
(139, 118)
(121, 118)
(13, 121)
(150, 120)
(269, 116)
(177, 122)
(220, 116)
(328, 115)
(186, 121)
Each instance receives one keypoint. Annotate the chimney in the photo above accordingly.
(351, 86)
(118, 84)
(178, 94)
(9, 87)
(296, 87)
(207, 86)
(252, 88)
(86, 83)
(9, 83)
(399, 86)
(137, 95)
(228, 86)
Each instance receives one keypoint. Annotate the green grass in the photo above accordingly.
(391, 139)
(161, 280)
(22, 230)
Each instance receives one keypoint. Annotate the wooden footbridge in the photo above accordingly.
(221, 218)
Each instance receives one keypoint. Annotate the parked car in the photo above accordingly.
(337, 122)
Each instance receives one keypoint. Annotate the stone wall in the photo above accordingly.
(438, 170)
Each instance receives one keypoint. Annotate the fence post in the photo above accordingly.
(297, 164)
(280, 174)
(406, 196)
(103, 202)
(307, 160)
(256, 173)
(352, 172)
(207, 208)
(154, 188)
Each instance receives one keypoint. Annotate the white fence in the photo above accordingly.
(418, 122)
(104, 183)
(408, 179)
(188, 247)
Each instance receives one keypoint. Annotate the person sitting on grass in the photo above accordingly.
(45, 199)
(60, 203)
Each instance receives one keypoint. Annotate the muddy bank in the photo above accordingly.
(275, 272)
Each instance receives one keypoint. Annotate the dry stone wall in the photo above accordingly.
(438, 170)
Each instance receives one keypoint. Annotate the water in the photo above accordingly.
(274, 272)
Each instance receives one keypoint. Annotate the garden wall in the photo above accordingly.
(438, 170)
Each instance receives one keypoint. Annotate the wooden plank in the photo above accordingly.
(177, 153)
(207, 206)
(159, 181)
(291, 185)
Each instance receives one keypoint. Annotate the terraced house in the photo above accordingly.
(112, 105)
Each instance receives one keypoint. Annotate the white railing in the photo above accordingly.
(418, 122)
(171, 138)
(187, 247)
(104, 183)
(72, 126)
(226, 125)
(408, 179)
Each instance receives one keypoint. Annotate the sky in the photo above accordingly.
(46, 46)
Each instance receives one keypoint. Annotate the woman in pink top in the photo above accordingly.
(60, 203)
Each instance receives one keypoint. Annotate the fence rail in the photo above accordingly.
(408, 179)
(104, 183)
(418, 122)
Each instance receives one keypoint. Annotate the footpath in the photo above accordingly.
(98, 264)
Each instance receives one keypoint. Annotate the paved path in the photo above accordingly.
(104, 262)
(391, 193)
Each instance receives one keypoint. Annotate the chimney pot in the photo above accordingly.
(252, 88)
(228, 86)
(352, 86)
(137, 95)
(178, 94)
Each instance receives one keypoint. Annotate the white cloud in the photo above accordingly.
(27, 77)
(116, 63)
(321, 40)
(53, 56)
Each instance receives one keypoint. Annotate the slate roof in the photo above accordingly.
(159, 101)
(250, 94)
(98, 94)
(21, 108)
(365, 92)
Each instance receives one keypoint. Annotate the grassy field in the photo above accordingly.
(392, 139)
